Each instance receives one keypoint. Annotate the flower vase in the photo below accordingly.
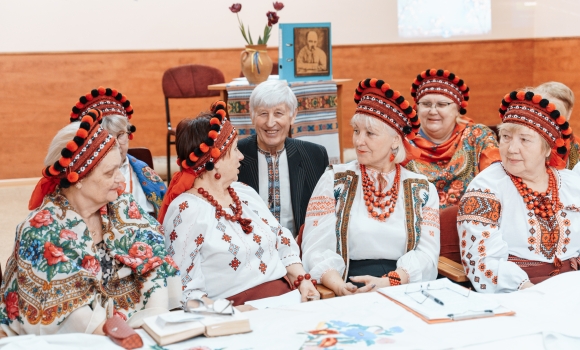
(256, 64)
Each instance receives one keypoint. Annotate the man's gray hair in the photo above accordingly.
(272, 93)
(115, 124)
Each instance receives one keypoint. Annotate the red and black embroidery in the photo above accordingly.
(183, 206)
(235, 263)
(226, 238)
(479, 206)
(257, 239)
(199, 240)
(286, 241)
(263, 267)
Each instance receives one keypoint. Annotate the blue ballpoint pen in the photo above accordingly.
(429, 295)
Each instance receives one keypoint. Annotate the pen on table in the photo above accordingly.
(465, 316)
(430, 296)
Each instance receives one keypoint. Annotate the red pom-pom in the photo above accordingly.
(464, 104)
(214, 121)
(559, 142)
(405, 104)
(73, 115)
(114, 92)
(416, 82)
(184, 165)
(396, 95)
(65, 162)
(72, 177)
(550, 107)
(446, 73)
(507, 98)
(101, 90)
(221, 112)
(413, 112)
(79, 104)
(212, 134)
(567, 131)
(53, 171)
(385, 87)
(88, 119)
(82, 133)
(463, 87)
(456, 80)
(89, 97)
(130, 136)
(536, 98)
(72, 146)
(432, 71)
(423, 74)
(204, 148)
(129, 109)
(411, 136)
(561, 120)
(215, 152)
(373, 82)
(193, 157)
(123, 99)
(521, 95)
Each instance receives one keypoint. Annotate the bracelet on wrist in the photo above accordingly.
(300, 278)
(394, 278)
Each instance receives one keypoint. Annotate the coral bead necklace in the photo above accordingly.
(374, 197)
(237, 209)
(542, 204)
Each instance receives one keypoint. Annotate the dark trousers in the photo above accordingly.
(371, 267)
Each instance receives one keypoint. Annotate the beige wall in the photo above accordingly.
(121, 25)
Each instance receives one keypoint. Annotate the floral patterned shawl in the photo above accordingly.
(452, 165)
(58, 281)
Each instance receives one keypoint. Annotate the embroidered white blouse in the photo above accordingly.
(493, 223)
(415, 247)
(215, 257)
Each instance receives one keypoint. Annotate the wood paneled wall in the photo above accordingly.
(37, 91)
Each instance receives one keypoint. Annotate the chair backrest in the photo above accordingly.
(449, 237)
(143, 154)
(191, 81)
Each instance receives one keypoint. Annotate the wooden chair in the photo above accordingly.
(189, 81)
(450, 255)
(143, 154)
(325, 293)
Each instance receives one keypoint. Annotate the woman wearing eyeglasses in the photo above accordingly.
(453, 148)
(143, 182)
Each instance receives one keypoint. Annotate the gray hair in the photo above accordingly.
(62, 137)
(512, 128)
(375, 125)
(272, 93)
(115, 124)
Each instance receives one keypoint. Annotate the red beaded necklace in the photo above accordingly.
(540, 203)
(237, 209)
(373, 196)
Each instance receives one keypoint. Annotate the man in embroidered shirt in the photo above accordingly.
(311, 58)
(284, 171)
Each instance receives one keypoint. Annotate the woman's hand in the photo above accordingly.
(244, 308)
(371, 283)
(345, 289)
(331, 279)
(306, 289)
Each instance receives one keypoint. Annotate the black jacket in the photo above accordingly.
(307, 162)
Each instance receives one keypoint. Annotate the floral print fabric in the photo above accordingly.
(57, 269)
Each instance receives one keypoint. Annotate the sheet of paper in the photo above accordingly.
(288, 299)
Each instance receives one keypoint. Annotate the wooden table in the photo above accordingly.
(222, 88)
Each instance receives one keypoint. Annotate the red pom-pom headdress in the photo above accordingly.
(108, 101)
(78, 158)
(442, 82)
(535, 112)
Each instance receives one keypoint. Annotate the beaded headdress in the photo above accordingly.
(539, 114)
(203, 157)
(108, 101)
(442, 82)
(80, 156)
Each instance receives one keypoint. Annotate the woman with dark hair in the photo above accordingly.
(223, 237)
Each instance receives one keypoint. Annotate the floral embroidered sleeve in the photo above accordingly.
(487, 150)
(484, 252)
(421, 263)
(319, 238)
(185, 231)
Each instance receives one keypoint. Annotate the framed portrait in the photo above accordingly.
(305, 52)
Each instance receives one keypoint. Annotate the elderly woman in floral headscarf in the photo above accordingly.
(453, 148)
(86, 252)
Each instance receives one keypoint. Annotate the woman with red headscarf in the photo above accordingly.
(222, 236)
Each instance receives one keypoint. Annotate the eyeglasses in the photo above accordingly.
(219, 306)
(438, 105)
(123, 138)
(420, 293)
